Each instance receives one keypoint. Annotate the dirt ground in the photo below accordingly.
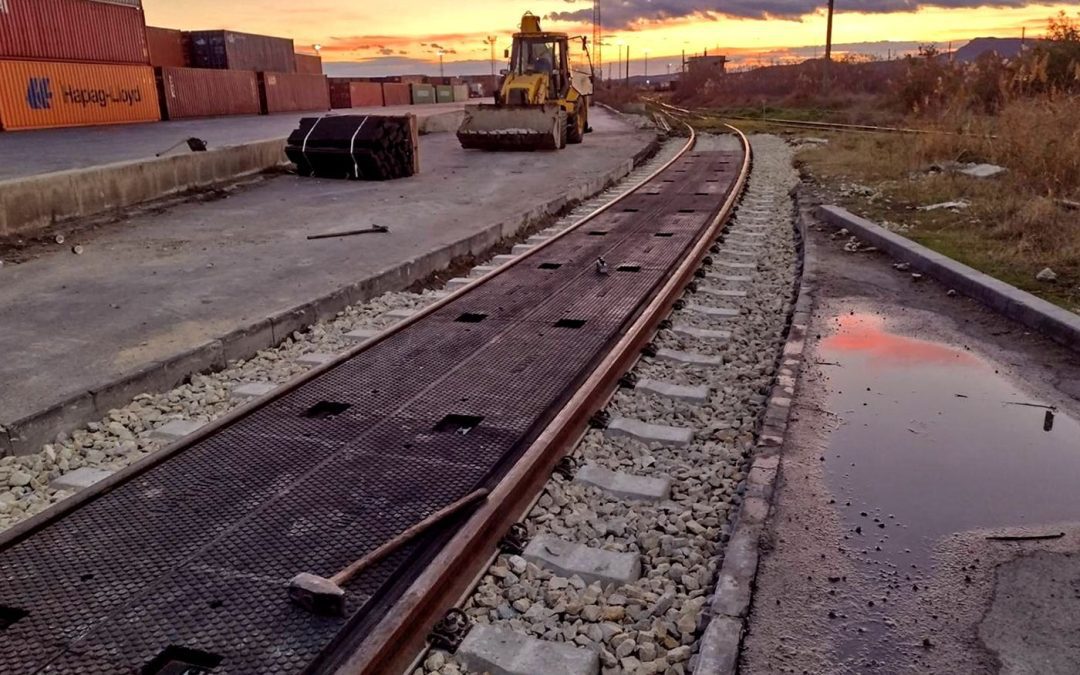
(924, 424)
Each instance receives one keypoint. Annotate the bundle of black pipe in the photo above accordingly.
(364, 147)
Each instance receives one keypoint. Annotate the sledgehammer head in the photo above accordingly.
(317, 594)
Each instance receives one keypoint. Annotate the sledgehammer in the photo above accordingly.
(327, 596)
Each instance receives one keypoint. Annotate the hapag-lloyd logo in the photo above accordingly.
(39, 95)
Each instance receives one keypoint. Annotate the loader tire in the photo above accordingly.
(575, 127)
(562, 130)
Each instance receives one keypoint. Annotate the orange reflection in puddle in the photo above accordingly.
(865, 334)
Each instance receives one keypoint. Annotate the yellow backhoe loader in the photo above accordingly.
(543, 103)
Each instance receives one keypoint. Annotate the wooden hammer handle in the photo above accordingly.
(344, 576)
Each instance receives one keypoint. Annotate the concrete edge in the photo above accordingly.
(1055, 322)
(33, 203)
(28, 434)
(727, 615)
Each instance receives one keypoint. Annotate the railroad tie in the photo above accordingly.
(721, 292)
(689, 358)
(251, 390)
(519, 249)
(458, 283)
(315, 359)
(480, 270)
(503, 651)
(175, 429)
(399, 314)
(732, 265)
(729, 278)
(591, 565)
(649, 433)
(502, 259)
(624, 485)
(714, 312)
(679, 392)
(79, 479)
(361, 334)
(695, 333)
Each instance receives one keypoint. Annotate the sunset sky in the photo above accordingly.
(408, 37)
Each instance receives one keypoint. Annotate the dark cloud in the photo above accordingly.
(626, 13)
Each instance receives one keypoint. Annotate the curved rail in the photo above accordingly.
(398, 642)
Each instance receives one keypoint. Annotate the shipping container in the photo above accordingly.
(461, 92)
(287, 92)
(230, 50)
(205, 92)
(354, 92)
(411, 79)
(308, 63)
(444, 93)
(40, 94)
(87, 31)
(166, 47)
(422, 94)
(396, 93)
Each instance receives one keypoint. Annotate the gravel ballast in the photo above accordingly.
(653, 625)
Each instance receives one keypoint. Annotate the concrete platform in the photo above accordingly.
(160, 296)
(50, 150)
(63, 174)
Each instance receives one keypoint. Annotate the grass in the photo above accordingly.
(1016, 224)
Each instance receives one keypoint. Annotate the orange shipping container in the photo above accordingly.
(365, 94)
(39, 94)
(395, 93)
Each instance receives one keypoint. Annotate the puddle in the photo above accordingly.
(931, 441)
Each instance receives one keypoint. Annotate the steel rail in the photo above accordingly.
(399, 640)
(35, 523)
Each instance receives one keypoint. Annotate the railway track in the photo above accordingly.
(181, 561)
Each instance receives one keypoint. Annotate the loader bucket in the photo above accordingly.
(509, 127)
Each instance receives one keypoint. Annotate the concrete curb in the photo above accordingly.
(36, 202)
(33, 203)
(729, 610)
(28, 434)
(1036, 313)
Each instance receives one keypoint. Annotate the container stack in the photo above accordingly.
(74, 62)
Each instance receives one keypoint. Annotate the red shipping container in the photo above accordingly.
(85, 31)
(287, 92)
(395, 93)
(230, 50)
(307, 63)
(205, 92)
(340, 93)
(366, 94)
(166, 47)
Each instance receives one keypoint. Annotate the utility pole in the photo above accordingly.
(828, 47)
(442, 72)
(598, 36)
(628, 65)
(646, 66)
(491, 40)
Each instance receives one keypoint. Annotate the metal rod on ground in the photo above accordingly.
(327, 596)
(378, 229)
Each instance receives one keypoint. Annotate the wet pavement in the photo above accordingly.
(919, 437)
(930, 440)
(934, 440)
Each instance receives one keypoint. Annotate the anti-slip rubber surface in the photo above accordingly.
(188, 563)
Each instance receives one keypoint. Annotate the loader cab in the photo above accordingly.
(543, 54)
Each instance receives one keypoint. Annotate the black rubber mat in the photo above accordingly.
(187, 564)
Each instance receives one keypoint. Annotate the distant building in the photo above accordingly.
(706, 65)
